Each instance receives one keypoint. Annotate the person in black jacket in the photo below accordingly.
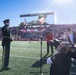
(6, 45)
(60, 62)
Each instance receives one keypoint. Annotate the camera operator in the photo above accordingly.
(60, 62)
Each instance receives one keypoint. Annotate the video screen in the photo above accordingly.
(38, 18)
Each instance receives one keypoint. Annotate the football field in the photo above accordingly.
(25, 59)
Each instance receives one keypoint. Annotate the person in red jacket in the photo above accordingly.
(49, 37)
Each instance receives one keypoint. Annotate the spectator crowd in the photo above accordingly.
(34, 33)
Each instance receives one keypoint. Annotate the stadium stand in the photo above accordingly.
(34, 32)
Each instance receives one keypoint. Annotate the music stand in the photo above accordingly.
(41, 73)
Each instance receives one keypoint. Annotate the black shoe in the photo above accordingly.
(7, 68)
(4, 68)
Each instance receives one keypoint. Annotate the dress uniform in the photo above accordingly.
(6, 45)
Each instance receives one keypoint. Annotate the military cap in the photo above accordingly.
(6, 21)
(41, 15)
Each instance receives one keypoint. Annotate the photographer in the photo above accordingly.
(60, 62)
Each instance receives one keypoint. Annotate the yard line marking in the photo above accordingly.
(24, 57)
(27, 57)
(28, 48)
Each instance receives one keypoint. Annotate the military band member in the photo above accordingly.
(6, 44)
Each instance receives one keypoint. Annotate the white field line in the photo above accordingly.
(24, 57)
(15, 56)
(28, 48)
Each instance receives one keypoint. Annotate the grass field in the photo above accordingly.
(25, 58)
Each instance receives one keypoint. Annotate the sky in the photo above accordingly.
(64, 10)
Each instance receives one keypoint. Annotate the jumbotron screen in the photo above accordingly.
(38, 18)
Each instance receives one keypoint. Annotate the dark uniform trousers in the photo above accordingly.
(5, 57)
(48, 45)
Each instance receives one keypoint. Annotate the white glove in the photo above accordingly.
(49, 61)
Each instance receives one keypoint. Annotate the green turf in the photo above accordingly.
(25, 58)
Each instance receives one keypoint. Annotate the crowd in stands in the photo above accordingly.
(34, 33)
